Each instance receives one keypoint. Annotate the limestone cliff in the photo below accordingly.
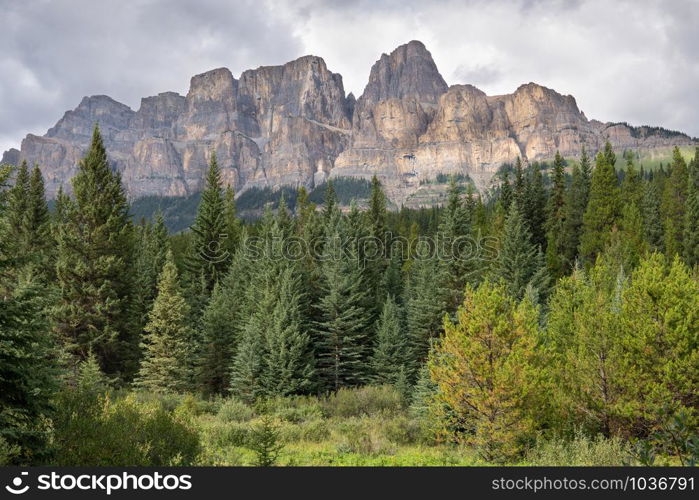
(293, 125)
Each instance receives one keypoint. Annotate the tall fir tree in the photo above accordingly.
(152, 246)
(534, 208)
(555, 220)
(95, 267)
(391, 357)
(652, 218)
(208, 256)
(691, 221)
(520, 265)
(603, 209)
(166, 350)
(673, 204)
(341, 337)
(457, 248)
(27, 357)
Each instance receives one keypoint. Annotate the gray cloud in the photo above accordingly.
(630, 60)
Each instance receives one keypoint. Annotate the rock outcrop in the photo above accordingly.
(293, 125)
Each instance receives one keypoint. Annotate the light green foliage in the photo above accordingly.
(167, 356)
(483, 367)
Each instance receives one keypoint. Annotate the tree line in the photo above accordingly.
(571, 301)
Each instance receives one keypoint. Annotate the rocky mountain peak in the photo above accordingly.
(292, 124)
(407, 72)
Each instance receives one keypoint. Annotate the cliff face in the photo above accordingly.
(293, 125)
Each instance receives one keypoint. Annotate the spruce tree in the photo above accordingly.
(652, 218)
(534, 208)
(691, 221)
(426, 302)
(221, 322)
(392, 354)
(520, 187)
(27, 356)
(519, 264)
(603, 209)
(152, 246)
(506, 195)
(37, 225)
(341, 343)
(555, 222)
(457, 248)
(673, 204)
(95, 267)
(208, 257)
(575, 206)
(166, 353)
(232, 223)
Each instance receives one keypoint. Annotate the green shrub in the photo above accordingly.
(234, 410)
(228, 434)
(369, 400)
(7, 451)
(405, 431)
(363, 437)
(579, 451)
(97, 430)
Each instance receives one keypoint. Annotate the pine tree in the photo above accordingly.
(519, 264)
(152, 247)
(341, 334)
(534, 208)
(673, 204)
(27, 357)
(392, 355)
(457, 246)
(691, 221)
(274, 355)
(167, 355)
(484, 370)
(652, 219)
(555, 223)
(330, 201)
(375, 248)
(506, 195)
(520, 187)
(17, 207)
(231, 222)
(37, 225)
(575, 206)
(426, 303)
(208, 256)
(94, 267)
(603, 209)
(221, 327)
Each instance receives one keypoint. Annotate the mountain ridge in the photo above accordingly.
(293, 124)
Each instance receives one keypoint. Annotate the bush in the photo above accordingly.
(363, 437)
(97, 430)
(229, 434)
(234, 410)
(369, 400)
(294, 409)
(579, 451)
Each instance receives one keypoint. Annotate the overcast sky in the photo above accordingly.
(635, 61)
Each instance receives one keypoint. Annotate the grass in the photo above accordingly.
(368, 426)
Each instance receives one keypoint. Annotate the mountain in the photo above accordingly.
(293, 125)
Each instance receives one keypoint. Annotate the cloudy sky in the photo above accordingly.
(635, 61)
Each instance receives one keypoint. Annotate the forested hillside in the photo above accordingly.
(554, 322)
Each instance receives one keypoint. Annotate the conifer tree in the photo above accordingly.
(506, 195)
(27, 356)
(37, 225)
(691, 221)
(457, 246)
(208, 257)
(232, 223)
(555, 223)
(652, 219)
(392, 355)
(426, 302)
(95, 267)
(520, 188)
(534, 208)
(221, 327)
(375, 248)
(673, 204)
(152, 247)
(167, 355)
(330, 201)
(519, 264)
(603, 209)
(575, 206)
(17, 206)
(341, 344)
(484, 370)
